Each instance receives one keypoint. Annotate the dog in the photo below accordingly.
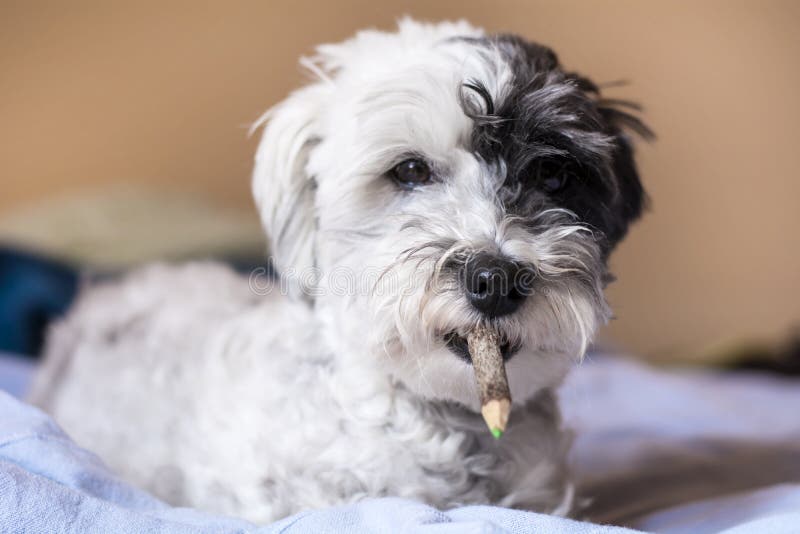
(416, 166)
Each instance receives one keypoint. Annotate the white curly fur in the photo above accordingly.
(208, 393)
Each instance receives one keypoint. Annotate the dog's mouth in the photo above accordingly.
(458, 344)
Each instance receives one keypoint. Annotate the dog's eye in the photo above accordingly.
(411, 172)
(555, 175)
(554, 184)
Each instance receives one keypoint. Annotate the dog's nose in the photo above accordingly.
(496, 286)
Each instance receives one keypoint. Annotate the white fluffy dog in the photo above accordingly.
(419, 165)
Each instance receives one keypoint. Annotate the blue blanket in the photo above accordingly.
(49, 484)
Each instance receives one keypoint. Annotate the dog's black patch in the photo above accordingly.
(559, 143)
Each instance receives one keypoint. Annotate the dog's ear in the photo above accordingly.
(283, 189)
(622, 123)
(631, 199)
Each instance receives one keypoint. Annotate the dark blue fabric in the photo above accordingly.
(33, 291)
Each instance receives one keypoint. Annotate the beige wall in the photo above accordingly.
(161, 93)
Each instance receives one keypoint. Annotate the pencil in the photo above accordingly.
(490, 373)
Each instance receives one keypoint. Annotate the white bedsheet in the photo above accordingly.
(651, 445)
(661, 451)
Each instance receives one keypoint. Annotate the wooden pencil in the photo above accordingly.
(490, 373)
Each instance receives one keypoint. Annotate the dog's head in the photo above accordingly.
(435, 178)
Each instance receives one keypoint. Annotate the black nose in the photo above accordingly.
(496, 286)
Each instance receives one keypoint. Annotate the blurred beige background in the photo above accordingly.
(161, 93)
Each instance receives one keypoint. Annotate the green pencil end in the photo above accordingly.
(497, 433)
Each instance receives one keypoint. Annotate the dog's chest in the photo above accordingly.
(340, 437)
